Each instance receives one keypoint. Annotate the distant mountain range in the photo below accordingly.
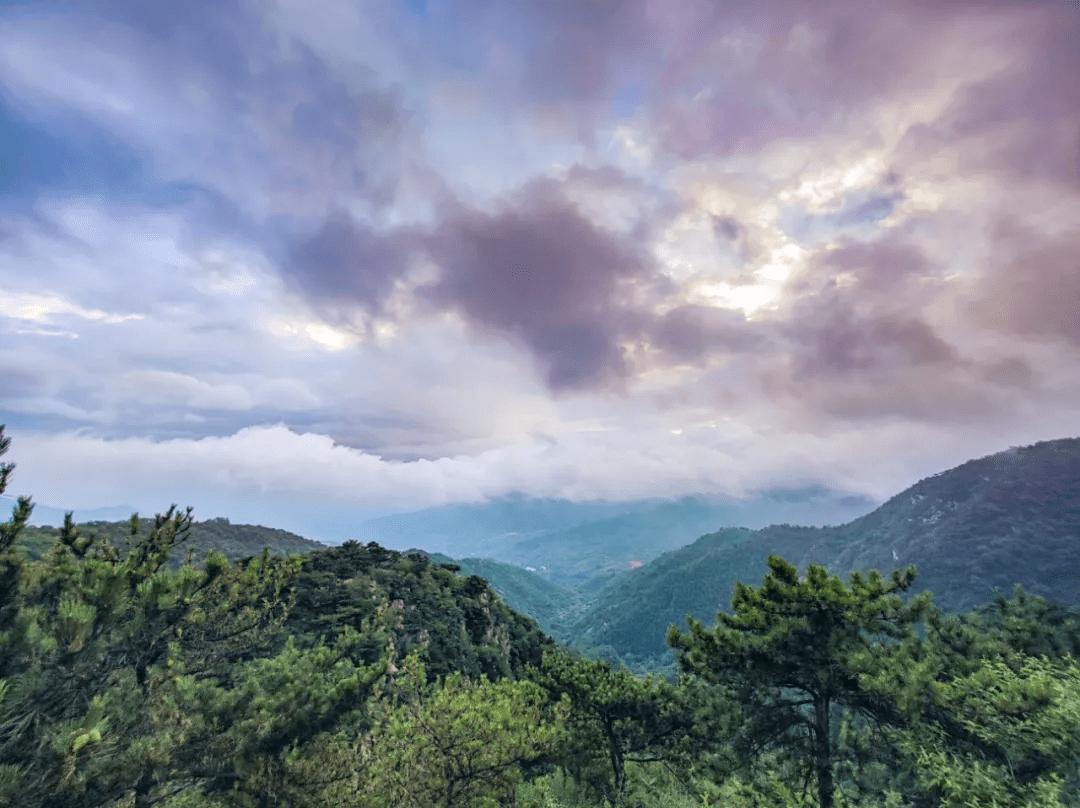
(1009, 518)
(612, 577)
(583, 545)
(54, 517)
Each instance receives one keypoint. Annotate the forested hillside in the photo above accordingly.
(362, 677)
(1010, 518)
(556, 609)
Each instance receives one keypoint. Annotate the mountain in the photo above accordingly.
(487, 528)
(1012, 517)
(46, 515)
(234, 541)
(583, 545)
(586, 556)
(554, 576)
(554, 608)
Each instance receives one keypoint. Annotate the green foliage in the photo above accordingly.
(459, 742)
(1008, 733)
(793, 649)
(617, 719)
(1030, 624)
(554, 607)
(251, 734)
(632, 614)
(89, 644)
(455, 622)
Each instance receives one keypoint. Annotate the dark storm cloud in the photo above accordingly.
(1032, 98)
(538, 270)
(1012, 371)
(727, 227)
(882, 267)
(869, 323)
(348, 263)
(694, 332)
(855, 364)
(1035, 293)
(843, 343)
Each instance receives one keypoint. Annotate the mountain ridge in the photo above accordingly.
(1007, 518)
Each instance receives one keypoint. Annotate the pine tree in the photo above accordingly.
(256, 736)
(91, 640)
(1021, 718)
(616, 718)
(981, 717)
(787, 655)
(455, 742)
(10, 559)
(1030, 624)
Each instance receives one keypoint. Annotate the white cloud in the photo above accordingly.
(309, 332)
(47, 308)
(663, 458)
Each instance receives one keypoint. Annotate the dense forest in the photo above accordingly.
(362, 676)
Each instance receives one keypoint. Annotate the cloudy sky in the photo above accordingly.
(281, 257)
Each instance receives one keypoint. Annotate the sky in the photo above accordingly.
(285, 258)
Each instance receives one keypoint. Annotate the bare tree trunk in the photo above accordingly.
(823, 752)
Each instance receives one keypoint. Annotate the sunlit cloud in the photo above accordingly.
(45, 308)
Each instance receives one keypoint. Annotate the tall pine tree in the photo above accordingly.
(617, 718)
(787, 656)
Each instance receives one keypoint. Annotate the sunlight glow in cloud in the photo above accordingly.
(46, 308)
